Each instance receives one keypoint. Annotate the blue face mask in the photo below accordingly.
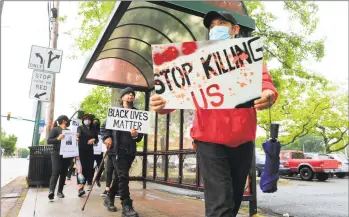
(219, 33)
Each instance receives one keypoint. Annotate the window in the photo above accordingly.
(297, 155)
(287, 155)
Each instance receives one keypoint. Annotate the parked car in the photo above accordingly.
(308, 168)
(343, 170)
(260, 162)
(189, 162)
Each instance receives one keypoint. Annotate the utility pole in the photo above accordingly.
(53, 45)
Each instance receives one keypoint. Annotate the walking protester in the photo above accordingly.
(109, 173)
(122, 146)
(98, 158)
(225, 152)
(59, 164)
(87, 136)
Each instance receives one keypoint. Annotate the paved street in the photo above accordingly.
(308, 199)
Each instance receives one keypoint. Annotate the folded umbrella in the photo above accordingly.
(270, 175)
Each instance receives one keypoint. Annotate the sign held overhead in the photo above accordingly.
(41, 86)
(45, 59)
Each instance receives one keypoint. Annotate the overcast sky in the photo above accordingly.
(26, 23)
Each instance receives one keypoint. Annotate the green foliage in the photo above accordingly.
(96, 102)
(289, 48)
(42, 142)
(8, 143)
(95, 14)
(332, 126)
(23, 152)
(310, 143)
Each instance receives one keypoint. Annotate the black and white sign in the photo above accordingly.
(45, 59)
(128, 119)
(98, 147)
(41, 86)
(69, 147)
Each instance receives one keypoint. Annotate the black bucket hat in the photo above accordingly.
(215, 14)
(127, 90)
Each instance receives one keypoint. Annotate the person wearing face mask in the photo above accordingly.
(122, 151)
(98, 158)
(224, 137)
(59, 164)
(87, 136)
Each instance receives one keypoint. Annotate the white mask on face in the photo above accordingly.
(87, 122)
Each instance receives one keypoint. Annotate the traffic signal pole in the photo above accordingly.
(36, 135)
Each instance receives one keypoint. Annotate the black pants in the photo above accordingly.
(98, 159)
(224, 171)
(86, 159)
(122, 167)
(71, 169)
(109, 172)
(59, 169)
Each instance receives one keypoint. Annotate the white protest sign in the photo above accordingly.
(97, 147)
(45, 59)
(69, 146)
(127, 119)
(209, 74)
(75, 124)
(41, 86)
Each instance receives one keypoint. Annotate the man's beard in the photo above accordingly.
(130, 104)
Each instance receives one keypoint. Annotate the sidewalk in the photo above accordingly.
(148, 203)
(12, 196)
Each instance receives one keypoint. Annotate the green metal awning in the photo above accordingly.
(122, 55)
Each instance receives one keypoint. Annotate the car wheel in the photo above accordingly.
(322, 176)
(340, 175)
(306, 174)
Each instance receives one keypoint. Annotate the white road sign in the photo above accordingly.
(41, 86)
(45, 59)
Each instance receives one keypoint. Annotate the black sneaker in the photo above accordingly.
(105, 193)
(98, 183)
(60, 194)
(68, 178)
(127, 209)
(117, 195)
(81, 192)
(51, 195)
(109, 204)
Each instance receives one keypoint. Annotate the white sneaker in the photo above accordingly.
(89, 187)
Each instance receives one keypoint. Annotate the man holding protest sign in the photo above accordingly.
(224, 137)
(121, 145)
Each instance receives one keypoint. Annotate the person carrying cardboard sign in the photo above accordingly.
(122, 150)
(224, 137)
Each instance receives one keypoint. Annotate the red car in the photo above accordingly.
(308, 168)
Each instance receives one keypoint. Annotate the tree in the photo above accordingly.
(333, 126)
(23, 152)
(96, 102)
(8, 143)
(308, 143)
